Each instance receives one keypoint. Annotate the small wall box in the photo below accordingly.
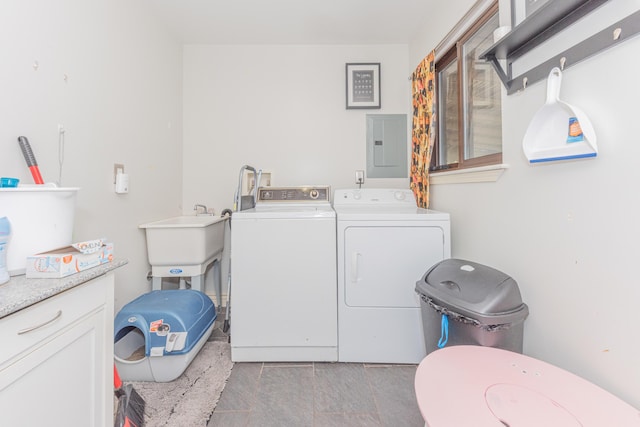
(66, 261)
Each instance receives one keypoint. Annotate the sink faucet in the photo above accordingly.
(204, 208)
(237, 202)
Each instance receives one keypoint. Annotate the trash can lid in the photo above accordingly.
(474, 290)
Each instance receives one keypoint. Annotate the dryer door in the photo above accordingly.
(383, 263)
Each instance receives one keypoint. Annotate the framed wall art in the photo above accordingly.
(363, 85)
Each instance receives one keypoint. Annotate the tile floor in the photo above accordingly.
(316, 394)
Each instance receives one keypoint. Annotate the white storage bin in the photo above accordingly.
(41, 218)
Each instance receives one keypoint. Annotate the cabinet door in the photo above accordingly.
(62, 381)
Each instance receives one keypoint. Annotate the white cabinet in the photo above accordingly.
(56, 359)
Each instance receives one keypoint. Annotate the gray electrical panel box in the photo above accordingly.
(387, 146)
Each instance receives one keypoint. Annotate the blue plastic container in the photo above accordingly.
(157, 335)
(6, 182)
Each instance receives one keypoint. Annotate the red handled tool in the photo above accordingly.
(31, 159)
(130, 412)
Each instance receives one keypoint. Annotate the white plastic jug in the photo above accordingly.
(5, 232)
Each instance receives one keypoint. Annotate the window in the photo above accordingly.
(469, 122)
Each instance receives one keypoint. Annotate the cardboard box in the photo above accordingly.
(66, 261)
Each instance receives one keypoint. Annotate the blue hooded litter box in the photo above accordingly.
(157, 335)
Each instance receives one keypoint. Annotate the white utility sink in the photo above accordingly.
(184, 240)
(184, 246)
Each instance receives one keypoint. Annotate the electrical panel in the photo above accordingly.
(387, 146)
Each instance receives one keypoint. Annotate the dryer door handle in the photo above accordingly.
(355, 256)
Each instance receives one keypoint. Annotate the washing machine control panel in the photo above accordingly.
(307, 194)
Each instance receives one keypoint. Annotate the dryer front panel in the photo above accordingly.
(383, 263)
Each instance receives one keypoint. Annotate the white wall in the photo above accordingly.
(437, 25)
(281, 109)
(566, 231)
(121, 103)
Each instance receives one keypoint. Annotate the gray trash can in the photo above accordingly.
(463, 302)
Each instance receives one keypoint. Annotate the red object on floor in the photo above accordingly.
(131, 405)
(117, 382)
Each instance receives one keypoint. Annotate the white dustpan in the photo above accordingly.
(548, 136)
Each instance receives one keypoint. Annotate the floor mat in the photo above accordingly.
(190, 399)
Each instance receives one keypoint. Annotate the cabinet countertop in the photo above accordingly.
(20, 292)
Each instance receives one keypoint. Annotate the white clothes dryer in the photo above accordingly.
(385, 244)
(283, 277)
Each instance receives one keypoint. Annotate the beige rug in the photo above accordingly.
(189, 400)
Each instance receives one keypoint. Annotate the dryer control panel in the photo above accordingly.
(374, 196)
(306, 194)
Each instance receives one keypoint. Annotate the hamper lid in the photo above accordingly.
(474, 290)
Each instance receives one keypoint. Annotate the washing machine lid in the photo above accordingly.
(286, 212)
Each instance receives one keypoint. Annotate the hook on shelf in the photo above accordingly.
(563, 60)
(616, 33)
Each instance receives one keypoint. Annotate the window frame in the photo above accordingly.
(451, 55)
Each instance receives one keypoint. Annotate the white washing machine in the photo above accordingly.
(283, 277)
(385, 244)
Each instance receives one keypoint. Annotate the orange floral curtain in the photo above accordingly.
(423, 134)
